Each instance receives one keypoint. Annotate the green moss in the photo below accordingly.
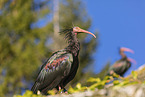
(28, 94)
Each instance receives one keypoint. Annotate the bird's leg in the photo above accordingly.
(65, 90)
(59, 88)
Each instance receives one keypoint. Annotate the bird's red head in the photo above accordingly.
(122, 49)
(77, 29)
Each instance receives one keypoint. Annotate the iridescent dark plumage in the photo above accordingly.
(62, 66)
(122, 65)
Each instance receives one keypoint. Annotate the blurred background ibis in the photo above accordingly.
(122, 65)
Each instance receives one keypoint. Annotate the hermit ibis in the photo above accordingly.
(62, 66)
(122, 65)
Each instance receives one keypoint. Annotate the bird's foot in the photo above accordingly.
(65, 91)
(62, 90)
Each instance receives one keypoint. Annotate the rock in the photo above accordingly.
(129, 91)
(137, 90)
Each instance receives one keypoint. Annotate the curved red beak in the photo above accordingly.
(77, 29)
(126, 49)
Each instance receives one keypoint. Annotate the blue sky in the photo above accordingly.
(120, 23)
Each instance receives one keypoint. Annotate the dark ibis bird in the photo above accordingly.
(122, 65)
(62, 66)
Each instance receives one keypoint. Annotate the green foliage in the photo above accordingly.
(97, 83)
(78, 88)
(21, 47)
(100, 84)
(127, 81)
(97, 80)
(134, 74)
(139, 74)
(28, 94)
(52, 92)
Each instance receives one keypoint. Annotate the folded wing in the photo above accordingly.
(53, 71)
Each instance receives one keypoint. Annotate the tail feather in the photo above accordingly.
(35, 87)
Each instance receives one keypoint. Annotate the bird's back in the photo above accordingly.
(120, 67)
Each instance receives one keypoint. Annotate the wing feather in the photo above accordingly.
(57, 67)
